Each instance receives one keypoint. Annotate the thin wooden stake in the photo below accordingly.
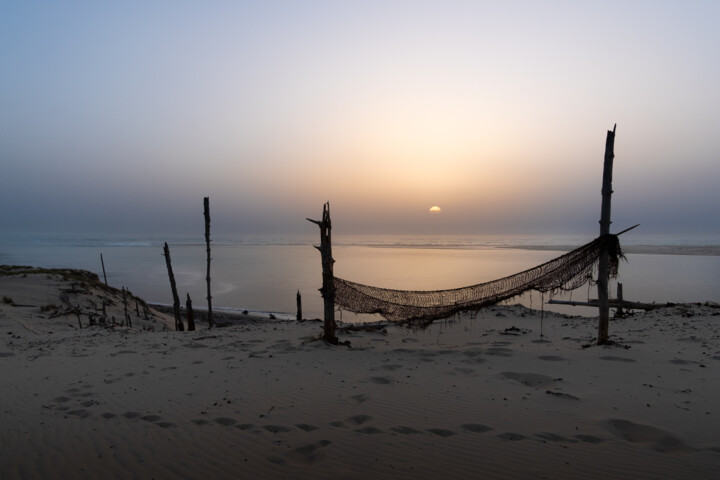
(127, 316)
(190, 315)
(603, 264)
(328, 287)
(206, 208)
(299, 307)
(176, 300)
(619, 311)
(103, 267)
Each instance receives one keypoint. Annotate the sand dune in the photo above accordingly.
(466, 398)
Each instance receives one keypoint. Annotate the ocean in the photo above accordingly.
(263, 273)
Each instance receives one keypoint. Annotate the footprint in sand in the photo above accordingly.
(552, 437)
(551, 358)
(369, 430)
(589, 439)
(476, 428)
(358, 419)
(391, 368)
(513, 437)
(679, 361)
(405, 430)
(276, 429)
(381, 380)
(612, 358)
(658, 440)
(530, 379)
(306, 428)
(499, 351)
(464, 371)
(78, 413)
(225, 422)
(308, 454)
(441, 432)
(359, 398)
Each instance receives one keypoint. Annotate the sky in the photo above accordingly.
(119, 117)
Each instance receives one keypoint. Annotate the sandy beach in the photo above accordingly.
(482, 397)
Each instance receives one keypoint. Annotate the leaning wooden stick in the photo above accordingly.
(103, 267)
(176, 300)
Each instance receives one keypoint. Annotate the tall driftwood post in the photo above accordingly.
(299, 306)
(328, 286)
(206, 208)
(190, 314)
(176, 300)
(603, 273)
(103, 266)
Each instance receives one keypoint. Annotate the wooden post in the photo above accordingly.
(127, 315)
(206, 208)
(176, 300)
(328, 286)
(190, 315)
(103, 266)
(619, 311)
(603, 271)
(299, 307)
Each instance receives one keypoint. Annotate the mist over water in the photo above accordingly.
(264, 272)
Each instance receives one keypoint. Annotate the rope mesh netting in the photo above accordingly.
(567, 272)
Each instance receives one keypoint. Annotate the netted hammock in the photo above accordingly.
(419, 308)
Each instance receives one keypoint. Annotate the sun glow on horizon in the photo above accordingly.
(435, 209)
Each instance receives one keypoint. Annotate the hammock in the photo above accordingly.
(420, 308)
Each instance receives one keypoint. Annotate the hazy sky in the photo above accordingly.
(120, 116)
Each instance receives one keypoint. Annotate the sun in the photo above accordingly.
(435, 209)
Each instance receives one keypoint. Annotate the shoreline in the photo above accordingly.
(697, 250)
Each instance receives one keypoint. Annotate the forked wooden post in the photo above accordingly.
(328, 286)
(603, 271)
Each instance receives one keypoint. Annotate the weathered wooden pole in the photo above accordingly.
(127, 315)
(603, 264)
(190, 314)
(328, 286)
(206, 208)
(619, 311)
(103, 266)
(176, 300)
(299, 306)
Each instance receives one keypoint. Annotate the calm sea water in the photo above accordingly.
(263, 273)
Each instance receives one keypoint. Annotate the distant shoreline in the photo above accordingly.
(698, 250)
